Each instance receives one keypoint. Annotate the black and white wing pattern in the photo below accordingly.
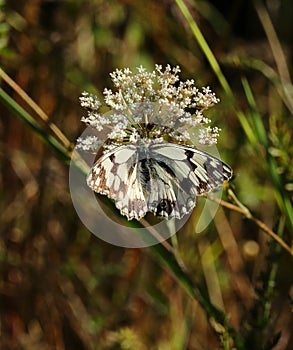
(115, 175)
(193, 173)
(163, 178)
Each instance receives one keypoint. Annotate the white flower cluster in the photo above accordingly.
(151, 98)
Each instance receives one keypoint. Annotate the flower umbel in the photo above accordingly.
(159, 99)
(148, 162)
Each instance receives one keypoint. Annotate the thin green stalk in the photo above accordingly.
(271, 280)
(28, 119)
(217, 318)
(264, 316)
(35, 107)
(205, 47)
(256, 120)
(215, 67)
(274, 42)
(268, 72)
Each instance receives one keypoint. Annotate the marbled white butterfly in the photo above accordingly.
(159, 177)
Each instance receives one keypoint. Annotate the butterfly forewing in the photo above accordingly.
(197, 171)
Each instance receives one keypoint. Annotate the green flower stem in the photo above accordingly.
(257, 123)
(205, 47)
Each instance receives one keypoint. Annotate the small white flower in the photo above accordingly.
(90, 143)
(208, 136)
(89, 101)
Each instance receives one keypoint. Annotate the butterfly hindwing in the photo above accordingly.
(164, 195)
(159, 191)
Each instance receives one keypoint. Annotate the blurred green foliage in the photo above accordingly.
(61, 287)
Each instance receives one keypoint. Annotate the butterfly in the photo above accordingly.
(159, 177)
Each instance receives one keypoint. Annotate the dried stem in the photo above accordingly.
(35, 107)
(242, 209)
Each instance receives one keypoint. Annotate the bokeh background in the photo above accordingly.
(63, 288)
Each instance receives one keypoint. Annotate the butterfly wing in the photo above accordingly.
(159, 190)
(196, 170)
(115, 174)
(163, 193)
(190, 172)
(165, 181)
